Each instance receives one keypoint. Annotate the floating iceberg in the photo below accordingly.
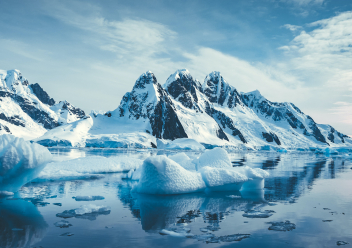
(180, 144)
(162, 175)
(89, 198)
(20, 162)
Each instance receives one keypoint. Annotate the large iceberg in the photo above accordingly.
(20, 162)
(163, 175)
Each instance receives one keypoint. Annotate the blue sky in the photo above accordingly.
(91, 52)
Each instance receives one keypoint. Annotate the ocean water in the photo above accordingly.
(306, 202)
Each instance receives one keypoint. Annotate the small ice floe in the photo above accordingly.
(341, 243)
(62, 224)
(89, 212)
(89, 198)
(66, 234)
(57, 204)
(177, 232)
(282, 226)
(258, 214)
(20, 162)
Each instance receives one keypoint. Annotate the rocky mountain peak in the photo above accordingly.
(219, 91)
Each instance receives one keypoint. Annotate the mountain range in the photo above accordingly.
(213, 113)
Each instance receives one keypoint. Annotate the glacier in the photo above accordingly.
(20, 162)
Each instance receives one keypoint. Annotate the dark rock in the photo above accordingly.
(41, 94)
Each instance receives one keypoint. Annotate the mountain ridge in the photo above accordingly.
(213, 113)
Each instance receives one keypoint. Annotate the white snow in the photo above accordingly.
(20, 162)
(183, 160)
(215, 158)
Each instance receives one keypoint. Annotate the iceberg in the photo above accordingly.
(20, 162)
(161, 175)
(215, 158)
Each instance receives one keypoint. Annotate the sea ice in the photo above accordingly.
(62, 224)
(89, 211)
(282, 226)
(180, 144)
(161, 175)
(258, 214)
(20, 162)
(175, 232)
(89, 198)
(85, 168)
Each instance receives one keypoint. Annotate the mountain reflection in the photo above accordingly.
(21, 224)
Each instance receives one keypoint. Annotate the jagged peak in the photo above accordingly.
(145, 79)
(178, 74)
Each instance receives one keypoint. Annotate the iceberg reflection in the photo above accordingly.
(21, 224)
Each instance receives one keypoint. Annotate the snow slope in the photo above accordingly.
(27, 111)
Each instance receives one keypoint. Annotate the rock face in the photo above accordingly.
(41, 94)
(26, 109)
(213, 113)
(149, 101)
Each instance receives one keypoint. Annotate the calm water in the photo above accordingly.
(312, 192)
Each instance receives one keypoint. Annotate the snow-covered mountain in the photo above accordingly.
(27, 111)
(213, 113)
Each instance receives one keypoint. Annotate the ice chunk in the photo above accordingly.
(218, 179)
(175, 232)
(215, 158)
(89, 198)
(89, 211)
(282, 150)
(227, 238)
(20, 162)
(180, 144)
(282, 226)
(256, 177)
(83, 168)
(161, 175)
(183, 160)
(62, 224)
(258, 214)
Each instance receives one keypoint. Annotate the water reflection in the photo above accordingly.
(21, 224)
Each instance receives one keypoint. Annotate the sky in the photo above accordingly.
(90, 53)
